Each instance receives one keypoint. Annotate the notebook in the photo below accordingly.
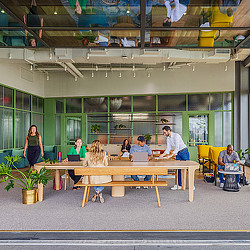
(140, 156)
(232, 167)
(73, 157)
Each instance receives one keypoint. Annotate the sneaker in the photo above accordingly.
(138, 187)
(94, 198)
(101, 198)
(146, 187)
(239, 186)
(222, 185)
(175, 187)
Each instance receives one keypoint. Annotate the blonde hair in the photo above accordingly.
(96, 153)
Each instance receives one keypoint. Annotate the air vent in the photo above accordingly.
(150, 51)
(220, 53)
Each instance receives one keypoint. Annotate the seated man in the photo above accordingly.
(141, 147)
(227, 156)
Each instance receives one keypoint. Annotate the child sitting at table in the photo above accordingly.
(96, 157)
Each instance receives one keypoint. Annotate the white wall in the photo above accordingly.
(20, 76)
(205, 78)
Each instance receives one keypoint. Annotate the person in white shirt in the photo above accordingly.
(175, 14)
(180, 150)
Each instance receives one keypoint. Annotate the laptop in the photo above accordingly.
(73, 157)
(140, 156)
(232, 167)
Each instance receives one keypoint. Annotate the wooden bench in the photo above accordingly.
(106, 171)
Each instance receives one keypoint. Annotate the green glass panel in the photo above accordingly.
(172, 102)
(38, 121)
(227, 101)
(218, 129)
(1, 128)
(8, 128)
(58, 130)
(73, 105)
(227, 128)
(198, 102)
(40, 105)
(144, 103)
(26, 101)
(8, 96)
(73, 129)
(1, 95)
(34, 108)
(59, 106)
(120, 104)
(216, 101)
(19, 100)
(95, 104)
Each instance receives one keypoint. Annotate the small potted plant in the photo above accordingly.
(120, 126)
(28, 180)
(87, 38)
(148, 138)
(164, 120)
(95, 128)
(242, 155)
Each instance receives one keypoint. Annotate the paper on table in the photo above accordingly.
(161, 158)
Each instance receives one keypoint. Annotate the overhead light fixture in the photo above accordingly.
(168, 57)
(10, 55)
(132, 56)
(164, 67)
(133, 68)
(92, 74)
(106, 74)
(76, 78)
(47, 77)
(31, 67)
(55, 12)
(193, 68)
(96, 68)
(87, 56)
(120, 74)
(149, 75)
(134, 75)
(226, 68)
(50, 55)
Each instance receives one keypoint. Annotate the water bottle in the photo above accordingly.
(60, 156)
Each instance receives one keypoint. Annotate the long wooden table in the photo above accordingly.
(118, 168)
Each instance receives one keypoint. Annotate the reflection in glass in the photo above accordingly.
(38, 121)
(8, 128)
(26, 101)
(40, 105)
(73, 129)
(8, 96)
(227, 128)
(34, 104)
(218, 129)
(58, 130)
(216, 101)
(144, 103)
(1, 95)
(172, 102)
(19, 100)
(22, 124)
(96, 104)
(227, 101)
(73, 105)
(198, 130)
(121, 104)
(1, 128)
(198, 102)
(60, 106)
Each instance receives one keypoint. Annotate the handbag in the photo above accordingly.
(209, 177)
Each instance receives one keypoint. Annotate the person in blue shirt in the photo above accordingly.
(141, 147)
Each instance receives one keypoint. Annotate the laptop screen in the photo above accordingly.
(140, 156)
(73, 157)
(232, 167)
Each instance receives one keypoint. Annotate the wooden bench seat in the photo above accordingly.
(152, 183)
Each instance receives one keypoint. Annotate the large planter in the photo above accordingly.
(29, 196)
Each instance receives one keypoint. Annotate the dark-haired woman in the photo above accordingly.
(34, 145)
(78, 149)
(125, 146)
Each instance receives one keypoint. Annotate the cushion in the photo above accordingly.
(48, 148)
(17, 152)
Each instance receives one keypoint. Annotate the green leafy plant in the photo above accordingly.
(95, 128)
(242, 154)
(28, 178)
(120, 126)
(86, 37)
(148, 137)
(164, 120)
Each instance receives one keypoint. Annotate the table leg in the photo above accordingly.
(184, 178)
(118, 191)
(87, 199)
(84, 196)
(158, 197)
(40, 192)
(57, 179)
(65, 180)
(191, 184)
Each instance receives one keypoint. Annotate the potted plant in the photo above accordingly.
(164, 120)
(27, 180)
(148, 138)
(242, 155)
(87, 38)
(95, 128)
(120, 126)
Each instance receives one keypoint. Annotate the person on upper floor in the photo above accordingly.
(227, 156)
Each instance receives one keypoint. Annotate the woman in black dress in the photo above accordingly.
(34, 145)
(125, 146)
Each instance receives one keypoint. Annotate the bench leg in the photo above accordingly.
(84, 196)
(158, 197)
(87, 199)
(65, 180)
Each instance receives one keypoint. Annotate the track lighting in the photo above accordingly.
(106, 74)
(47, 77)
(226, 68)
(133, 68)
(193, 68)
(92, 74)
(164, 67)
(96, 68)
(149, 75)
(134, 75)
(132, 56)
(120, 74)
(87, 56)
(10, 55)
(31, 67)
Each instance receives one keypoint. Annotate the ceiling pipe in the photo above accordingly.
(68, 69)
(73, 68)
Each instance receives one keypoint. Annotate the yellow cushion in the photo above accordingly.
(203, 150)
(219, 19)
(214, 153)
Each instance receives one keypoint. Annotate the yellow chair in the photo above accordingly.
(213, 157)
(219, 19)
(207, 38)
(203, 155)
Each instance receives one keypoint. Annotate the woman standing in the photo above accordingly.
(78, 149)
(125, 146)
(34, 145)
(96, 157)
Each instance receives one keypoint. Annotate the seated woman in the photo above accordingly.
(125, 147)
(78, 149)
(96, 157)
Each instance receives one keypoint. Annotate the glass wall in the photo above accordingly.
(113, 119)
(17, 110)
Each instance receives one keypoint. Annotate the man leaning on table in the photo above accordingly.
(227, 156)
(180, 150)
(141, 147)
